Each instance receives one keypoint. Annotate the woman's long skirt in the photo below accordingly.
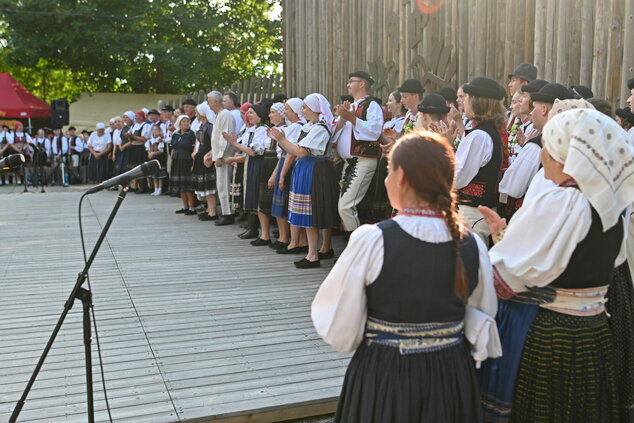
(325, 194)
(279, 208)
(98, 168)
(203, 177)
(300, 202)
(265, 194)
(136, 155)
(252, 193)
(181, 178)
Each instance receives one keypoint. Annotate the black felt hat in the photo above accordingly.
(190, 101)
(279, 98)
(533, 86)
(626, 113)
(581, 91)
(526, 71)
(630, 84)
(550, 92)
(363, 75)
(168, 108)
(434, 104)
(153, 112)
(484, 87)
(412, 86)
(448, 93)
(348, 98)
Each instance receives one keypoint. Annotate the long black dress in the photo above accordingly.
(203, 177)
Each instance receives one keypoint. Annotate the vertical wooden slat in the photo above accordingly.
(615, 52)
(560, 59)
(549, 63)
(599, 56)
(627, 69)
(540, 37)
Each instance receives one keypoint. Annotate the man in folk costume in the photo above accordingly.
(411, 96)
(522, 75)
(75, 147)
(59, 143)
(357, 133)
(433, 110)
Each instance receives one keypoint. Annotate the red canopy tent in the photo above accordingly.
(17, 102)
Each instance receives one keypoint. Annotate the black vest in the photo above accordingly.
(482, 189)
(536, 140)
(416, 283)
(364, 148)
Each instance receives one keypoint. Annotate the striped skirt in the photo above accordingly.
(300, 203)
(279, 208)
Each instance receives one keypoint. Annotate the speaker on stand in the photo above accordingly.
(59, 112)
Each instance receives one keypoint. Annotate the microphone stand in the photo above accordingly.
(86, 298)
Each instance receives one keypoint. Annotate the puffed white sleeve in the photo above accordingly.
(474, 151)
(520, 173)
(540, 239)
(372, 127)
(339, 310)
(483, 296)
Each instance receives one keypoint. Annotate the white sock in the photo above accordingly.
(158, 191)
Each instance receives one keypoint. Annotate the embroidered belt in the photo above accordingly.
(575, 302)
(414, 338)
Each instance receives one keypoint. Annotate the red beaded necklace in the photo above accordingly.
(422, 211)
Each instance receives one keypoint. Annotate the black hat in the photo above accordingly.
(72, 128)
(348, 98)
(550, 92)
(484, 87)
(363, 75)
(526, 71)
(448, 93)
(412, 86)
(533, 86)
(153, 112)
(279, 98)
(626, 113)
(168, 108)
(434, 104)
(581, 91)
(190, 101)
(262, 110)
(85, 131)
(630, 84)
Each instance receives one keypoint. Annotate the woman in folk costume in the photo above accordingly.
(400, 293)
(281, 178)
(552, 267)
(313, 193)
(203, 177)
(183, 141)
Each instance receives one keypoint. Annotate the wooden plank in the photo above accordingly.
(599, 55)
(615, 52)
(627, 70)
(560, 59)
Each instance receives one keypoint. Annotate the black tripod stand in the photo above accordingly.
(86, 298)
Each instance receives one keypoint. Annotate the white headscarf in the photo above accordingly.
(560, 106)
(279, 108)
(296, 105)
(596, 152)
(177, 124)
(318, 104)
(203, 109)
(130, 114)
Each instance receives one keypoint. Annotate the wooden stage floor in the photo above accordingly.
(194, 324)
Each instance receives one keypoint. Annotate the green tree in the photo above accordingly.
(62, 47)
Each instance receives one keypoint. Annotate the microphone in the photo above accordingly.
(146, 169)
(14, 160)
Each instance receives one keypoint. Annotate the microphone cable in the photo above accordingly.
(92, 311)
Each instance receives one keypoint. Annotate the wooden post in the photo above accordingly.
(587, 42)
(614, 59)
(599, 56)
(540, 37)
(549, 63)
(560, 56)
(627, 70)
(463, 43)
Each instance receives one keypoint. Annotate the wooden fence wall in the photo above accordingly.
(250, 90)
(589, 42)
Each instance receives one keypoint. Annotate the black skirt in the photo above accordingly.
(98, 168)
(383, 386)
(265, 194)
(325, 195)
(620, 306)
(136, 155)
(203, 177)
(181, 178)
(252, 193)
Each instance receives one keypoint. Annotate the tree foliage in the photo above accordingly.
(68, 46)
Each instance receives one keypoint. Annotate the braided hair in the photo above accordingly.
(428, 164)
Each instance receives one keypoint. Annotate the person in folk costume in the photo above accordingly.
(257, 143)
(117, 129)
(157, 150)
(552, 264)
(522, 75)
(42, 151)
(450, 95)
(6, 138)
(296, 121)
(433, 111)
(204, 177)
(411, 95)
(137, 136)
(412, 362)
(479, 153)
(99, 145)
(123, 149)
(19, 143)
(189, 109)
(581, 92)
(232, 103)
(357, 132)
(76, 147)
(60, 154)
(523, 130)
(279, 198)
(239, 177)
(220, 151)
(625, 118)
(313, 192)
(183, 141)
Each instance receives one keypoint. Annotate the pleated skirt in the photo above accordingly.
(279, 207)
(98, 168)
(136, 155)
(203, 177)
(566, 372)
(300, 201)
(325, 195)
(383, 386)
(265, 194)
(181, 177)
(620, 307)
(252, 191)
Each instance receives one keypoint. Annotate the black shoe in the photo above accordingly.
(307, 264)
(259, 242)
(140, 191)
(295, 250)
(277, 245)
(243, 217)
(330, 254)
(181, 211)
(189, 212)
(207, 217)
(248, 234)
(225, 220)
